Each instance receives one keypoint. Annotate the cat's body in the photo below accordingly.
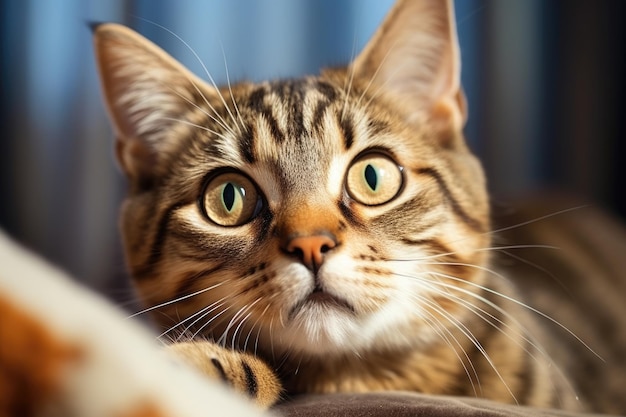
(569, 268)
(335, 226)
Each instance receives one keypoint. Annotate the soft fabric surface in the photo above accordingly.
(405, 404)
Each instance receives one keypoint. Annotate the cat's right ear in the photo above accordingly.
(146, 91)
(414, 59)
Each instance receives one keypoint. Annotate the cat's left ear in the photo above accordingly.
(414, 59)
(148, 94)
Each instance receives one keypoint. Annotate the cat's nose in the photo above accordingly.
(311, 249)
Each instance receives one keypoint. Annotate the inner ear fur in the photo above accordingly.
(145, 92)
(414, 60)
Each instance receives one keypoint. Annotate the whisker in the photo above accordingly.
(199, 60)
(481, 313)
(256, 340)
(474, 371)
(219, 120)
(202, 313)
(479, 267)
(542, 269)
(524, 305)
(271, 337)
(439, 329)
(232, 97)
(197, 332)
(493, 232)
(222, 340)
(234, 320)
(245, 344)
(525, 334)
(497, 248)
(472, 338)
(471, 14)
(176, 300)
(371, 81)
(238, 328)
(538, 219)
(185, 122)
(349, 80)
(486, 249)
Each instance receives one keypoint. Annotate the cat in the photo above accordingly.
(323, 234)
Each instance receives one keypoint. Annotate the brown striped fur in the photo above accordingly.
(405, 297)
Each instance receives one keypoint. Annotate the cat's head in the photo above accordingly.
(324, 214)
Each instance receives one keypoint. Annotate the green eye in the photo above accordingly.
(374, 179)
(230, 199)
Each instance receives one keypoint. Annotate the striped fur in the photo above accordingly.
(399, 296)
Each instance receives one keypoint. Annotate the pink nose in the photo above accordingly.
(311, 249)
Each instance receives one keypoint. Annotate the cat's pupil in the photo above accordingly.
(228, 196)
(371, 177)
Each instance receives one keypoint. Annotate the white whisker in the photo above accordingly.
(349, 80)
(487, 249)
(445, 334)
(185, 122)
(232, 97)
(245, 344)
(199, 60)
(471, 14)
(472, 338)
(197, 332)
(519, 303)
(239, 326)
(371, 81)
(176, 300)
(271, 337)
(525, 334)
(515, 226)
(538, 219)
(540, 268)
(234, 319)
(219, 120)
(201, 314)
(481, 313)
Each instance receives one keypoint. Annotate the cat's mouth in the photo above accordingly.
(319, 297)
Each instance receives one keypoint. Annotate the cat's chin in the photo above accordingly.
(320, 303)
(322, 325)
(319, 326)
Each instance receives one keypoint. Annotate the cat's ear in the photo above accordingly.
(414, 59)
(146, 91)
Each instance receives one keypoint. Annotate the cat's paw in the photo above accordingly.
(244, 372)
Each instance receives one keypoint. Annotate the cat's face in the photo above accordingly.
(320, 215)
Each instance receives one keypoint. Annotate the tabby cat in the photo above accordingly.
(336, 227)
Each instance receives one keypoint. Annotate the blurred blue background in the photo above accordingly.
(544, 79)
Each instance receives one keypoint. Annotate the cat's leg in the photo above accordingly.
(244, 372)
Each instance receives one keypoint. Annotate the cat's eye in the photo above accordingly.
(230, 199)
(374, 179)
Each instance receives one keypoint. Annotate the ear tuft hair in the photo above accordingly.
(146, 92)
(414, 59)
